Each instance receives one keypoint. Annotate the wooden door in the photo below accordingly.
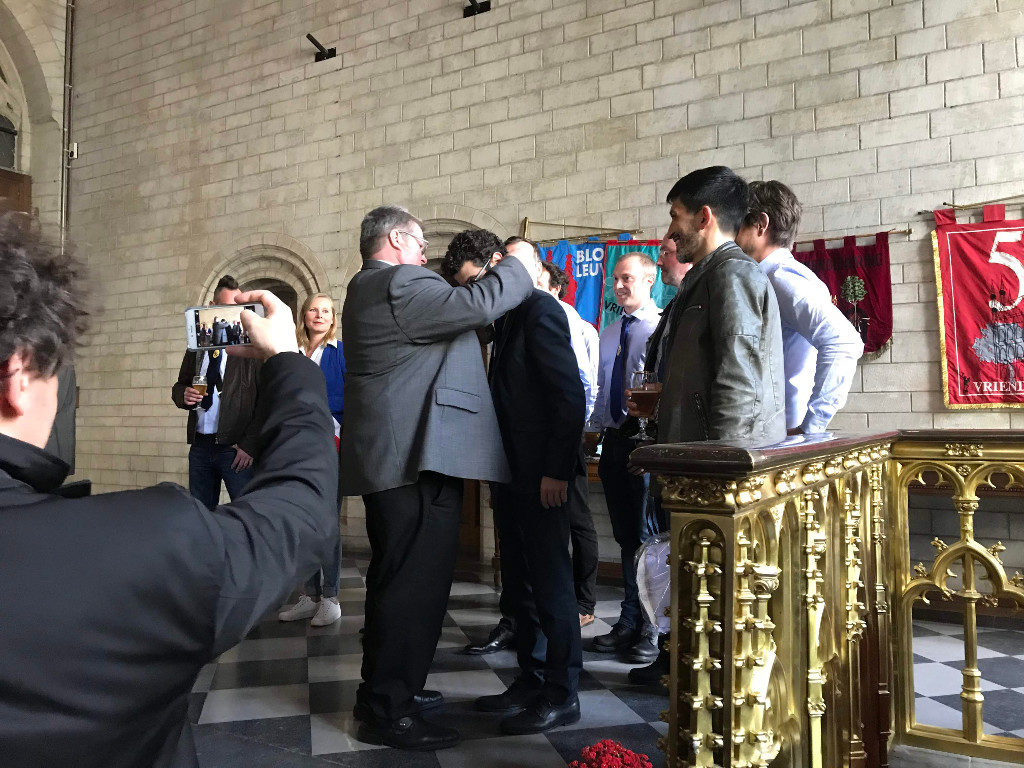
(15, 191)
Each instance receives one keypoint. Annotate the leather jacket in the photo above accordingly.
(237, 424)
(724, 375)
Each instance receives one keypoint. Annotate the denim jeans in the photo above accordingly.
(208, 464)
(327, 581)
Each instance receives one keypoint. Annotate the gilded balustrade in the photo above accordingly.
(792, 593)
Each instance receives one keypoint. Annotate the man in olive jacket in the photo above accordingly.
(724, 375)
(145, 586)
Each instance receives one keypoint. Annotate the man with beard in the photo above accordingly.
(724, 366)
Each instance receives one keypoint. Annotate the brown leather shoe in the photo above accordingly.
(586, 619)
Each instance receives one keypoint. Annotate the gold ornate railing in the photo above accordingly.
(793, 591)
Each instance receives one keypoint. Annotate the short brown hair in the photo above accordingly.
(558, 278)
(777, 201)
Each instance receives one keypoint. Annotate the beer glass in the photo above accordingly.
(644, 391)
(199, 384)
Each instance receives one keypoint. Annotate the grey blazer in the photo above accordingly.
(416, 396)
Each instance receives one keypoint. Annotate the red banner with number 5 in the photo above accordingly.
(979, 269)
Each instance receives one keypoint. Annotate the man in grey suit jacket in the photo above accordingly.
(418, 419)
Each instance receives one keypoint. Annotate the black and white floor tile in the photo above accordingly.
(938, 664)
(284, 696)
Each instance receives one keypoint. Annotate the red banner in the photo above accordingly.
(858, 278)
(980, 273)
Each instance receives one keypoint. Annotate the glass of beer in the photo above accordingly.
(645, 391)
(199, 384)
(591, 438)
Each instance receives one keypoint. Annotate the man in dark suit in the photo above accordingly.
(418, 420)
(541, 407)
(220, 329)
(151, 584)
(222, 425)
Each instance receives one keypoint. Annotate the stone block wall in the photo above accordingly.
(203, 124)
(32, 34)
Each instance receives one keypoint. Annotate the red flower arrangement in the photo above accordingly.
(610, 754)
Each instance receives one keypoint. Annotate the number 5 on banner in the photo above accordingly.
(1011, 262)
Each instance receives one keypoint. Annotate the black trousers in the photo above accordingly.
(583, 537)
(537, 582)
(626, 496)
(414, 540)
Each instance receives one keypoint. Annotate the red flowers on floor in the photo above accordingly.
(610, 754)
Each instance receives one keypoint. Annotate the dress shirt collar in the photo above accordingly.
(644, 311)
(331, 343)
(776, 257)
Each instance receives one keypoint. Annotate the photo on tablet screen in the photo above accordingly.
(220, 326)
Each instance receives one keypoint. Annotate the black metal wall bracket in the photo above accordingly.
(322, 54)
(476, 7)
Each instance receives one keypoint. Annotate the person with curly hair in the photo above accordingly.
(143, 587)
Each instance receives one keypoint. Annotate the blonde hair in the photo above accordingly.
(301, 336)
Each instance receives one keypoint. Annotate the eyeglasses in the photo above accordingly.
(422, 243)
(479, 274)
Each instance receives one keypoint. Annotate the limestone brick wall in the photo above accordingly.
(203, 124)
(32, 34)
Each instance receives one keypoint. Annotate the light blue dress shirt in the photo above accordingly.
(820, 346)
(585, 342)
(636, 352)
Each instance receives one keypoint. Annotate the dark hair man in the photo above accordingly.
(470, 254)
(820, 345)
(724, 370)
(539, 399)
(94, 687)
(222, 428)
(418, 420)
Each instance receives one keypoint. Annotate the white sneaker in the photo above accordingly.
(328, 612)
(303, 609)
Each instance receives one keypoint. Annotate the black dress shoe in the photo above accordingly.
(643, 651)
(428, 699)
(514, 699)
(651, 674)
(617, 640)
(424, 700)
(501, 637)
(542, 716)
(412, 732)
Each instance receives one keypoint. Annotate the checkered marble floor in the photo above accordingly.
(939, 661)
(284, 696)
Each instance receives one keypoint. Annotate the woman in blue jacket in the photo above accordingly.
(317, 336)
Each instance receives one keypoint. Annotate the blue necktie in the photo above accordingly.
(617, 400)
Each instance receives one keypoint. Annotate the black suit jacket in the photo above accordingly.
(537, 392)
(145, 587)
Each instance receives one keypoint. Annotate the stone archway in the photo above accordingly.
(261, 259)
(442, 222)
(39, 67)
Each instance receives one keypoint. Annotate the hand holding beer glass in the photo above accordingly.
(195, 393)
(645, 390)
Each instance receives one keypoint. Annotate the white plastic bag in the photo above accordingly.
(654, 579)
